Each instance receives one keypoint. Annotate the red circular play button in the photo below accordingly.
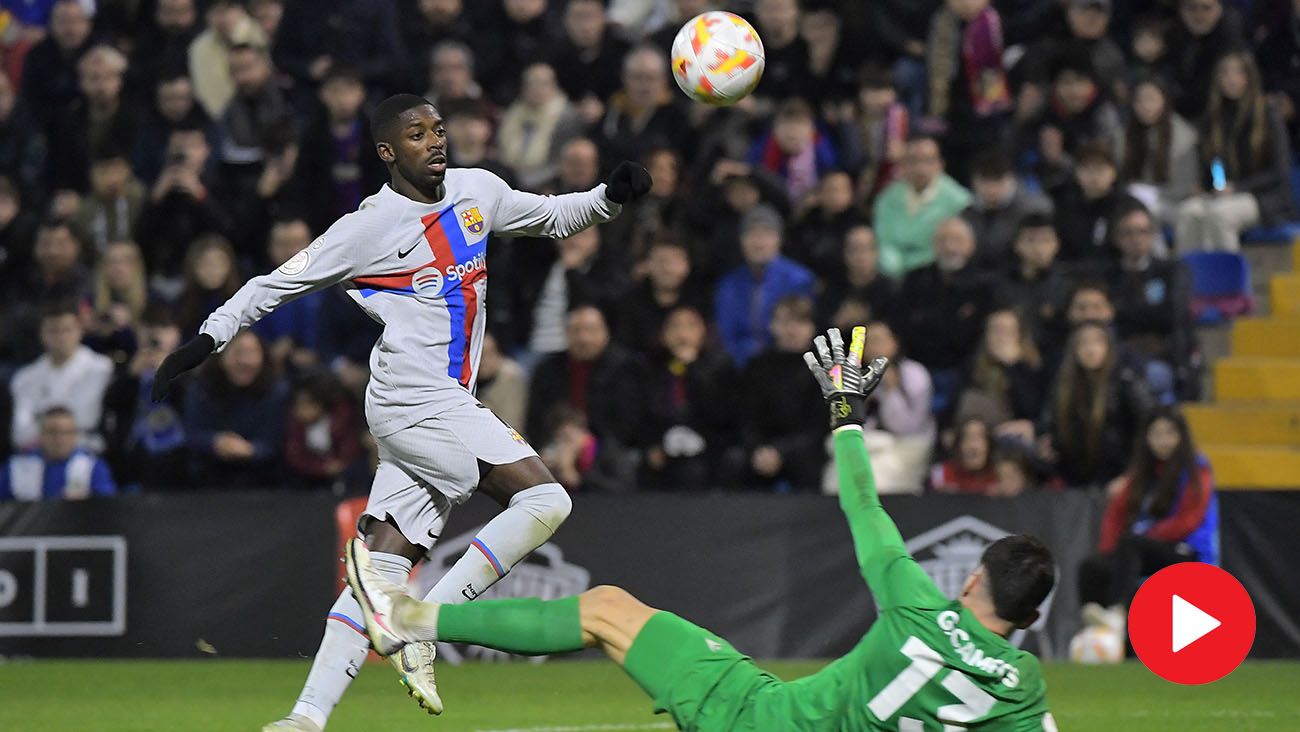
(1191, 623)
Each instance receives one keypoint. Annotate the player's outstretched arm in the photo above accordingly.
(529, 214)
(894, 577)
(326, 261)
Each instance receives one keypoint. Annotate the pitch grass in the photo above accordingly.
(563, 696)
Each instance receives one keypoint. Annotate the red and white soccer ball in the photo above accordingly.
(717, 58)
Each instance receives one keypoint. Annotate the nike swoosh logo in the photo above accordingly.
(402, 254)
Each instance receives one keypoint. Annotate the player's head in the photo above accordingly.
(1013, 578)
(412, 142)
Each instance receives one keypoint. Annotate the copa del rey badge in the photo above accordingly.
(473, 220)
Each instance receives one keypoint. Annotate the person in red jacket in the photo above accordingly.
(1163, 510)
(970, 469)
(322, 436)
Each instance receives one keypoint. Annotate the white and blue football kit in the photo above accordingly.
(421, 270)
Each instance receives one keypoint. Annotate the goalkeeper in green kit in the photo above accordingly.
(927, 664)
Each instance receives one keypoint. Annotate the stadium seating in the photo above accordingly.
(1221, 287)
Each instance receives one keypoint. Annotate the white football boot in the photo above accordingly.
(378, 597)
(292, 723)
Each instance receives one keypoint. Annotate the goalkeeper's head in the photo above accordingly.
(1013, 578)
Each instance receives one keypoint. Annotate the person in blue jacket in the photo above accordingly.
(57, 468)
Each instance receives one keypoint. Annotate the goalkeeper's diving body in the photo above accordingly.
(927, 664)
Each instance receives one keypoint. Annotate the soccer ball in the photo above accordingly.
(1097, 644)
(717, 58)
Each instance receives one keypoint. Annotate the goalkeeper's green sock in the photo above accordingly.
(526, 626)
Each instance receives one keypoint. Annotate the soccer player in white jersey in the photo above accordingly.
(413, 257)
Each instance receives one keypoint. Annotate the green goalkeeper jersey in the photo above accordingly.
(926, 664)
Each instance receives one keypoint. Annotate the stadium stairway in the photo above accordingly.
(1251, 431)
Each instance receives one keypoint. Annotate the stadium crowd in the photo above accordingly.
(1003, 190)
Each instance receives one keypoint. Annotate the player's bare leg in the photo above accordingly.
(345, 644)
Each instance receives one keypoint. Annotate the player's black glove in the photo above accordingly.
(628, 182)
(845, 384)
(194, 352)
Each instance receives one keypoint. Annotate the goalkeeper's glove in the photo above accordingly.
(627, 182)
(844, 382)
(195, 351)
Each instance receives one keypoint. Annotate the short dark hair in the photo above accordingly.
(59, 308)
(467, 108)
(1096, 152)
(1035, 220)
(341, 72)
(876, 77)
(992, 164)
(1020, 573)
(799, 307)
(388, 112)
(157, 316)
(58, 410)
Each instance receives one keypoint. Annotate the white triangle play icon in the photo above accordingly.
(1190, 623)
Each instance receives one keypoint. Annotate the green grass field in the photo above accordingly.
(572, 696)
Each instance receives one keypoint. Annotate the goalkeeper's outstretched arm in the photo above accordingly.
(894, 577)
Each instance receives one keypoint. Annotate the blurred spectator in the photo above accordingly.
(1153, 315)
(316, 36)
(100, 118)
(181, 208)
(875, 137)
(235, 418)
(345, 338)
(969, 97)
(145, 440)
(586, 60)
(118, 300)
(900, 429)
(909, 209)
(17, 234)
(1149, 52)
(1278, 54)
(902, 27)
(833, 60)
(1207, 31)
(817, 235)
(1015, 474)
(257, 113)
(210, 279)
(57, 468)
(67, 374)
(228, 25)
(585, 271)
(970, 469)
(580, 461)
(602, 381)
(946, 302)
(780, 426)
(662, 209)
(666, 287)
(712, 218)
(1085, 205)
(163, 49)
(289, 332)
(50, 83)
(322, 434)
(174, 109)
(786, 73)
(689, 392)
(1036, 287)
(1158, 152)
(469, 137)
(426, 23)
(23, 150)
(1093, 411)
(535, 128)
(579, 167)
(56, 277)
(1006, 381)
(857, 278)
(268, 14)
(795, 150)
(999, 204)
(1077, 114)
(337, 163)
(1162, 510)
(1244, 162)
(452, 74)
(746, 297)
(644, 112)
(521, 35)
(1085, 38)
(502, 383)
(112, 210)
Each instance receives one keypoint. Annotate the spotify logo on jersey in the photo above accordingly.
(427, 281)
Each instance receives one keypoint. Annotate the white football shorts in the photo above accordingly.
(431, 467)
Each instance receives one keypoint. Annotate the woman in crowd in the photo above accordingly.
(970, 468)
(1093, 411)
(1006, 378)
(322, 435)
(118, 300)
(210, 279)
(1158, 153)
(1244, 162)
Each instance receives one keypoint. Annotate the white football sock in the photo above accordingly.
(344, 647)
(528, 522)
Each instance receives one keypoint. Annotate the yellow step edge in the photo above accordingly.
(1278, 336)
(1257, 378)
(1263, 424)
(1284, 293)
(1249, 467)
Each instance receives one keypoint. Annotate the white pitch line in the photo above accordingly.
(588, 728)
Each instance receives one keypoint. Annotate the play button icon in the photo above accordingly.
(1191, 623)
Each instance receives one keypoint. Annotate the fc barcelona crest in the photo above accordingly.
(473, 220)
